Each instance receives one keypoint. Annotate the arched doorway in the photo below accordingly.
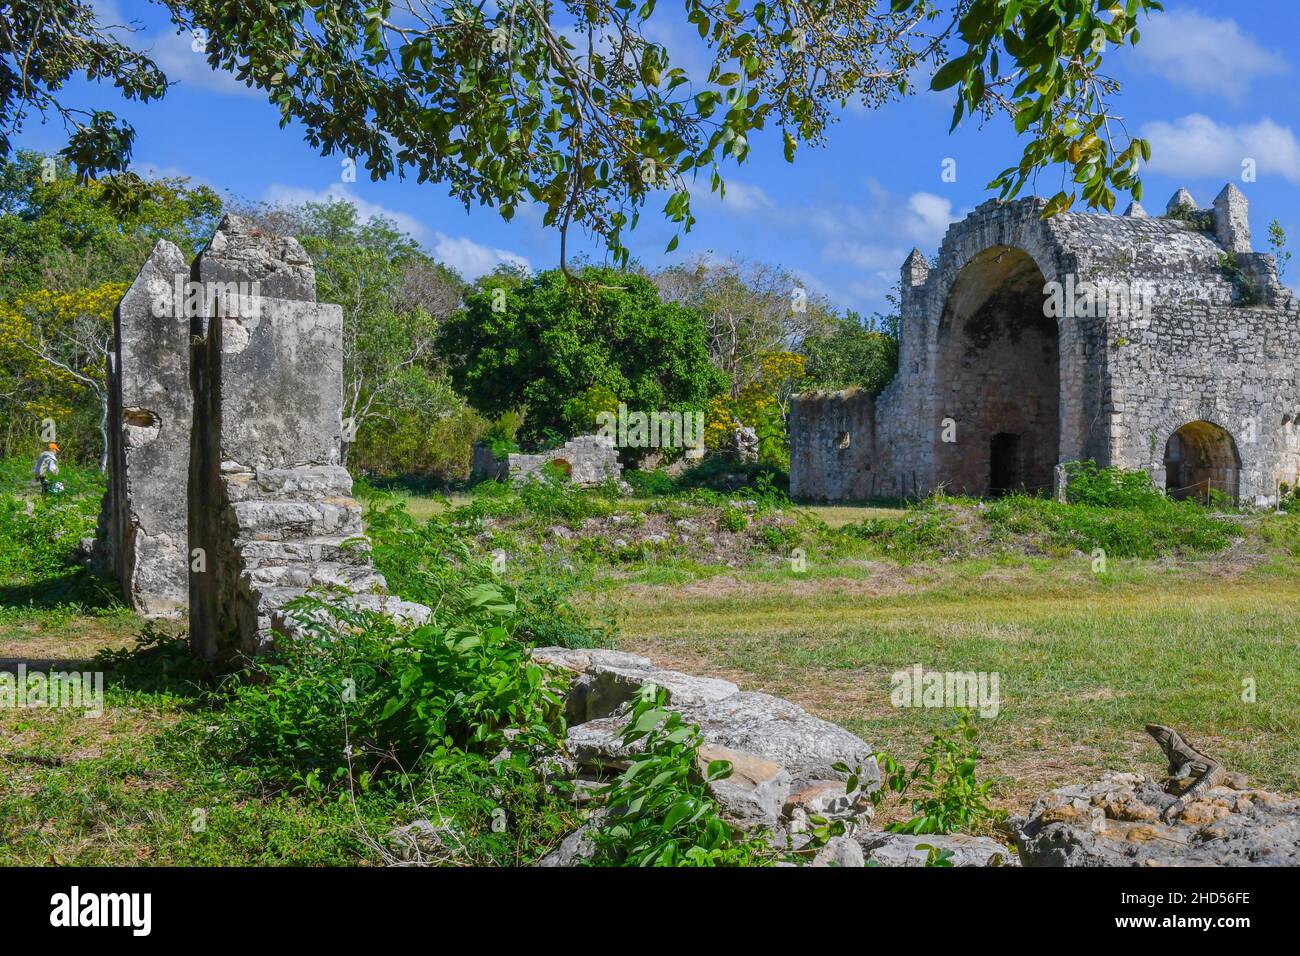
(997, 377)
(562, 466)
(1201, 457)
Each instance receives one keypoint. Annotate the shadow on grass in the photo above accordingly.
(158, 662)
(80, 587)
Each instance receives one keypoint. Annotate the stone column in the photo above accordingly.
(143, 529)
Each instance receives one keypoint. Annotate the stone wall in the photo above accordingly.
(238, 459)
(142, 535)
(1187, 326)
(587, 460)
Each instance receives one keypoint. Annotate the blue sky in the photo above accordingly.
(1211, 84)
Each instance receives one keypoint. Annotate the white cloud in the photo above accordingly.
(472, 259)
(175, 54)
(1198, 146)
(740, 197)
(1205, 55)
(469, 258)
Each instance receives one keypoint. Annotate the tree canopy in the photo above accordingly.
(561, 350)
(574, 106)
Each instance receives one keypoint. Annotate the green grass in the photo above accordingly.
(1084, 660)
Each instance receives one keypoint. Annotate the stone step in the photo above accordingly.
(270, 617)
(276, 484)
(356, 578)
(285, 520)
(354, 550)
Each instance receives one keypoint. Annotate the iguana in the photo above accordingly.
(1185, 760)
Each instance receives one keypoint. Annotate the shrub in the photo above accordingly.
(358, 697)
(1090, 484)
(659, 811)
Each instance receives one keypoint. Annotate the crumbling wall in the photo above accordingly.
(587, 460)
(226, 488)
(270, 504)
(833, 454)
(142, 535)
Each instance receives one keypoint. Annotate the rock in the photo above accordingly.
(759, 724)
(424, 841)
(827, 798)
(755, 792)
(900, 849)
(839, 851)
(576, 847)
(580, 660)
(605, 689)
(1116, 822)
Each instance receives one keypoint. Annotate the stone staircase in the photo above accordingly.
(298, 529)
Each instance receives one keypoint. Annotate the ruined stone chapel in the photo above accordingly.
(1164, 344)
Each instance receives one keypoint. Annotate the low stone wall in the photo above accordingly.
(587, 460)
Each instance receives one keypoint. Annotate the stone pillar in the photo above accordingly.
(1232, 220)
(143, 527)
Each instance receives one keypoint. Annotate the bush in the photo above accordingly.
(1152, 531)
(1110, 487)
(359, 697)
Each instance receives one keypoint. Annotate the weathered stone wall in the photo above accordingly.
(227, 491)
(833, 446)
(142, 536)
(1186, 325)
(587, 460)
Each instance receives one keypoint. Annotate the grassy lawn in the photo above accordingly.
(1084, 660)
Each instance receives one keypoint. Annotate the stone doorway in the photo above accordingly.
(1201, 460)
(1004, 464)
(997, 378)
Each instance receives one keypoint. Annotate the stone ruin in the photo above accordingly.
(1161, 344)
(226, 490)
(586, 460)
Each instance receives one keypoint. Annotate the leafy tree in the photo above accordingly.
(574, 106)
(43, 44)
(854, 352)
(60, 234)
(751, 310)
(57, 345)
(546, 342)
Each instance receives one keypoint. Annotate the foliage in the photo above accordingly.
(1090, 484)
(1277, 241)
(540, 343)
(946, 796)
(432, 562)
(761, 404)
(853, 354)
(658, 812)
(43, 44)
(359, 696)
(751, 311)
(62, 234)
(57, 344)
(574, 106)
(1174, 527)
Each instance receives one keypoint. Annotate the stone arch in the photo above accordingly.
(997, 376)
(563, 466)
(1201, 457)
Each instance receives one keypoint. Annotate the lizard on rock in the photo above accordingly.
(1185, 760)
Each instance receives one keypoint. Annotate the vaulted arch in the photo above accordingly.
(997, 378)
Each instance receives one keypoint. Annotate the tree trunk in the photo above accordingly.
(103, 432)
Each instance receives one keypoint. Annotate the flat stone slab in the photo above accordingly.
(901, 849)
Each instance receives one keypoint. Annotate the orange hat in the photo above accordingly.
(53, 447)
